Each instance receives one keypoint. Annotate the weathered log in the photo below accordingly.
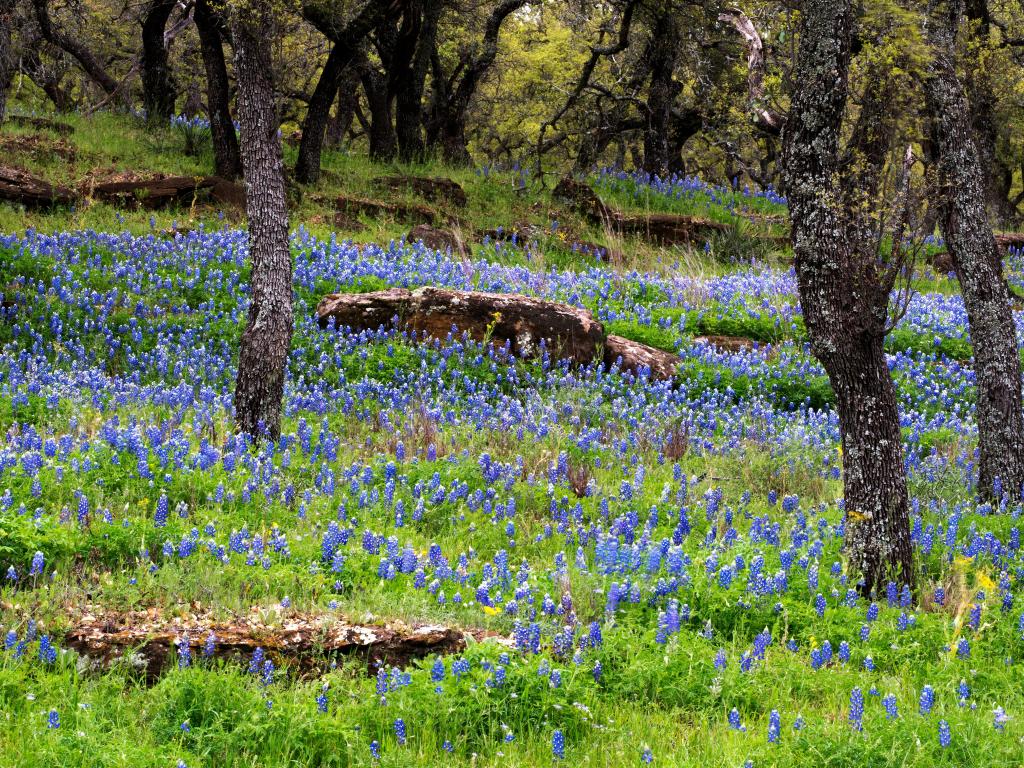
(726, 343)
(159, 192)
(583, 199)
(151, 642)
(356, 206)
(438, 239)
(664, 228)
(434, 190)
(569, 333)
(667, 228)
(639, 358)
(20, 187)
(521, 321)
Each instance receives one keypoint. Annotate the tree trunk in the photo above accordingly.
(345, 109)
(978, 266)
(318, 114)
(158, 90)
(263, 353)
(383, 143)
(46, 79)
(982, 100)
(660, 95)
(450, 118)
(409, 88)
(8, 61)
(844, 301)
(226, 157)
(347, 41)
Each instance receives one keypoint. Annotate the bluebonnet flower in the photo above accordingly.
(774, 726)
(945, 737)
(53, 719)
(558, 745)
(38, 564)
(734, 720)
(889, 702)
(927, 700)
(184, 652)
(400, 730)
(47, 653)
(856, 715)
(1000, 718)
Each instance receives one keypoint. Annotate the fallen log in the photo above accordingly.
(162, 191)
(151, 642)
(435, 190)
(19, 186)
(639, 358)
(521, 321)
(663, 228)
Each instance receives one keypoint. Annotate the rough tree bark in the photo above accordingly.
(226, 156)
(344, 110)
(383, 143)
(263, 353)
(407, 82)
(978, 264)
(347, 40)
(661, 94)
(158, 89)
(8, 62)
(844, 300)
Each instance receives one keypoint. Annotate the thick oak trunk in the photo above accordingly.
(660, 96)
(158, 90)
(8, 62)
(383, 143)
(978, 264)
(226, 156)
(263, 353)
(844, 301)
(318, 115)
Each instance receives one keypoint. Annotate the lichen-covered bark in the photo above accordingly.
(263, 353)
(976, 259)
(844, 300)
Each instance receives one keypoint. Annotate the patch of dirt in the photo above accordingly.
(39, 147)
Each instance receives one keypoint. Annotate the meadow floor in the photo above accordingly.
(622, 571)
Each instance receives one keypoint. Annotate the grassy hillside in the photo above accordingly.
(640, 571)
